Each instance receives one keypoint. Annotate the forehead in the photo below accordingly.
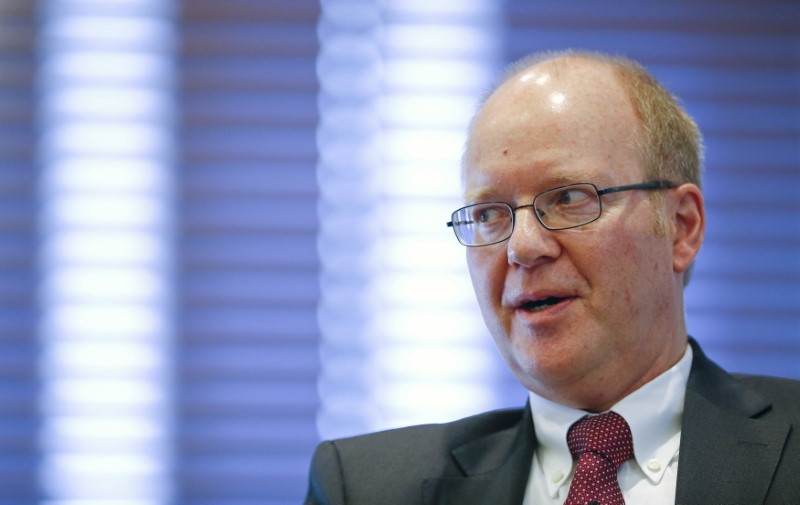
(553, 123)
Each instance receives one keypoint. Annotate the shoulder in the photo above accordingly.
(767, 384)
(388, 467)
(783, 393)
(747, 395)
(431, 438)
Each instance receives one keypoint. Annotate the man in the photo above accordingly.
(583, 216)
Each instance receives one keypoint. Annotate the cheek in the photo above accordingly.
(639, 266)
(487, 274)
(613, 261)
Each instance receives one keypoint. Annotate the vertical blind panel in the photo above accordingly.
(248, 284)
(348, 135)
(403, 341)
(736, 67)
(18, 345)
(105, 111)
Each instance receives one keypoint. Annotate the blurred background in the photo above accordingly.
(222, 226)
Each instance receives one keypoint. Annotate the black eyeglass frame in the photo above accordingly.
(646, 186)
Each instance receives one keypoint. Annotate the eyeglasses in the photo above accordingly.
(559, 208)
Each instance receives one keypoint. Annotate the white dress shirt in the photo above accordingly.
(653, 413)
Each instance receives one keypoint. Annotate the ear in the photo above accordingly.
(688, 218)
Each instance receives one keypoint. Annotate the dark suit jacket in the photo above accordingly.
(740, 444)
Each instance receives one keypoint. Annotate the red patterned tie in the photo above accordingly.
(602, 443)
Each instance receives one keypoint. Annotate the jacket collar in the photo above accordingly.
(729, 449)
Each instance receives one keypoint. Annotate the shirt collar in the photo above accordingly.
(653, 413)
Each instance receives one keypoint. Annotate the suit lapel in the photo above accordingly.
(495, 467)
(728, 452)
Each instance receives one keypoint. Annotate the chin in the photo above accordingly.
(548, 369)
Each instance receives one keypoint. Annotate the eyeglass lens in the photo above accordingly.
(559, 208)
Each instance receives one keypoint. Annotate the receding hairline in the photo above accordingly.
(560, 61)
(557, 60)
(658, 112)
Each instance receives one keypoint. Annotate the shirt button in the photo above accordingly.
(557, 476)
(653, 465)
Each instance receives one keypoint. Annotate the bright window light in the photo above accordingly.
(104, 320)
(106, 110)
(96, 67)
(111, 210)
(100, 247)
(403, 341)
(108, 102)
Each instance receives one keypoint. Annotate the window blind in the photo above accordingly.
(403, 341)
(249, 218)
(248, 281)
(19, 458)
(736, 66)
(105, 147)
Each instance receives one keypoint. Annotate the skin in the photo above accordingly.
(621, 322)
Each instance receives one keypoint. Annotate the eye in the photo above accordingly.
(572, 196)
(490, 213)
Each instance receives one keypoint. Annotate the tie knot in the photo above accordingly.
(606, 434)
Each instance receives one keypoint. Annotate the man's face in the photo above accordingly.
(582, 316)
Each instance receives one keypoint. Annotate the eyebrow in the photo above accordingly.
(489, 194)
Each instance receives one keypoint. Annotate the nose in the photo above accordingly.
(531, 243)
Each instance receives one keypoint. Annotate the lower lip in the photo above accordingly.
(546, 315)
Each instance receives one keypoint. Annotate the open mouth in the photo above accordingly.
(537, 305)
